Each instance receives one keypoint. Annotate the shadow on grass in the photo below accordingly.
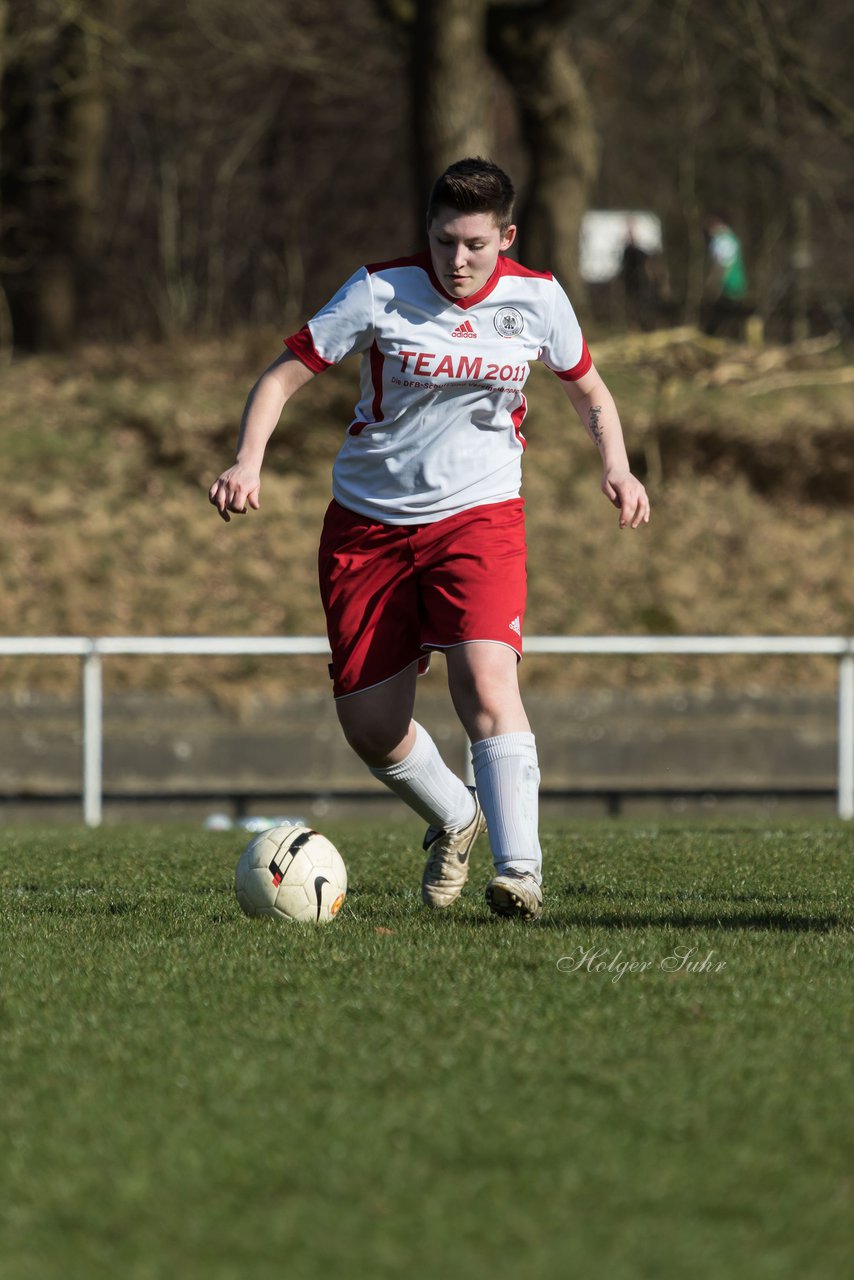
(565, 915)
(764, 921)
(784, 913)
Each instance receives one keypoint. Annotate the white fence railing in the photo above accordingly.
(92, 651)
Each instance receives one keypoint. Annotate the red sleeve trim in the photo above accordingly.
(302, 345)
(578, 370)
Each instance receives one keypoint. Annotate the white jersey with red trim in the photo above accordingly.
(437, 429)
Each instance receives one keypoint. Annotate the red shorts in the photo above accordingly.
(392, 592)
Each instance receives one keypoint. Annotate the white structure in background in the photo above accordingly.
(603, 237)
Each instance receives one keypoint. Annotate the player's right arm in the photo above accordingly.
(238, 488)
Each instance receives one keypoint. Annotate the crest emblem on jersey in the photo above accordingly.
(509, 322)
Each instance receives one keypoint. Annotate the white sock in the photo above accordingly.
(428, 786)
(508, 779)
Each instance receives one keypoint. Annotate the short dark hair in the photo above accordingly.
(474, 185)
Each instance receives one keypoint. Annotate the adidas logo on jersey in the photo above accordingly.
(465, 330)
(515, 625)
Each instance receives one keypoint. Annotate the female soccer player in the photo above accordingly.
(423, 544)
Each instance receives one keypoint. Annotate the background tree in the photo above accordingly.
(533, 45)
(744, 106)
(5, 313)
(168, 169)
(55, 113)
(452, 87)
(469, 60)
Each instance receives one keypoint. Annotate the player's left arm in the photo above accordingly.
(595, 406)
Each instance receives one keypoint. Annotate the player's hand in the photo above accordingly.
(629, 497)
(235, 491)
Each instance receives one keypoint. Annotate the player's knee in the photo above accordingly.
(373, 742)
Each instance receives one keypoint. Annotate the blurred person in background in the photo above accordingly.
(725, 294)
(646, 284)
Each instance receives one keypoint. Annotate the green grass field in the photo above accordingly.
(188, 1093)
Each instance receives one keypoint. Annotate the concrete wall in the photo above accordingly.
(192, 755)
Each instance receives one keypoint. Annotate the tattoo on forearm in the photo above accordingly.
(595, 429)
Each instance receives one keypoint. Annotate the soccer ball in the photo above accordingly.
(291, 873)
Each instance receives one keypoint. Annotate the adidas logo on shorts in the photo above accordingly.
(516, 625)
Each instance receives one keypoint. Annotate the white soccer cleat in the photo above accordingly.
(447, 867)
(515, 893)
